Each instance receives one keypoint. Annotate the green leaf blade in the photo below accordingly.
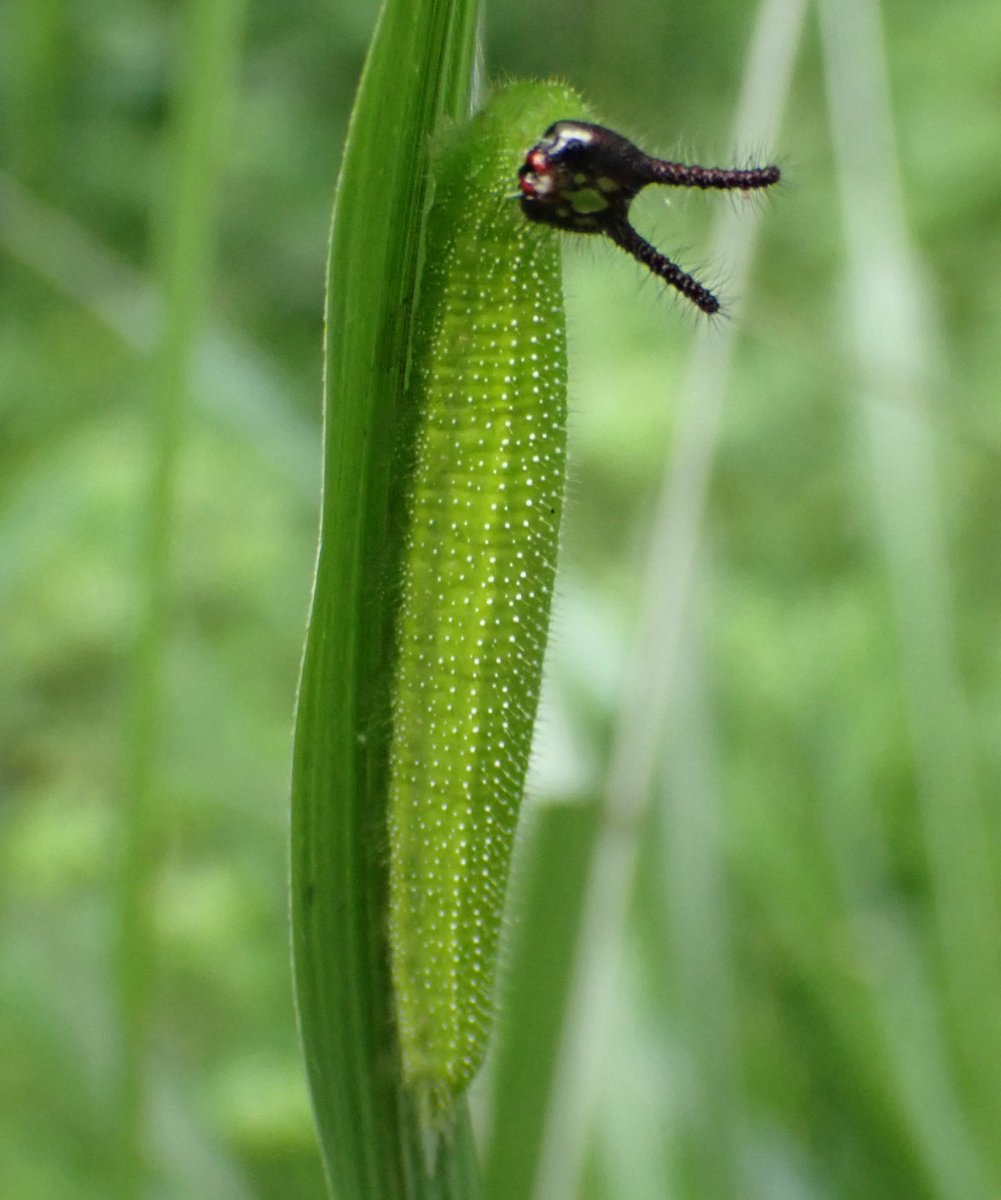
(368, 1133)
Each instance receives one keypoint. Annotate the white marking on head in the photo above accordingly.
(567, 137)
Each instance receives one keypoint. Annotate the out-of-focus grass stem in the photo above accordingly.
(638, 751)
(892, 329)
(35, 94)
(183, 238)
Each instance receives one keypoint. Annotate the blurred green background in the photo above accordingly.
(755, 948)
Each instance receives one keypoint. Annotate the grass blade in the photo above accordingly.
(416, 78)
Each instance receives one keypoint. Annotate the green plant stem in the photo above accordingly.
(209, 49)
(417, 76)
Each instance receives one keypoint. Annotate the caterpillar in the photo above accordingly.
(482, 521)
(489, 391)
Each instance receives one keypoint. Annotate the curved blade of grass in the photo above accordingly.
(416, 78)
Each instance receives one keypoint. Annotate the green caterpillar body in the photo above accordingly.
(483, 519)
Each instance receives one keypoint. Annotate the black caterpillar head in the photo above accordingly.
(582, 178)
